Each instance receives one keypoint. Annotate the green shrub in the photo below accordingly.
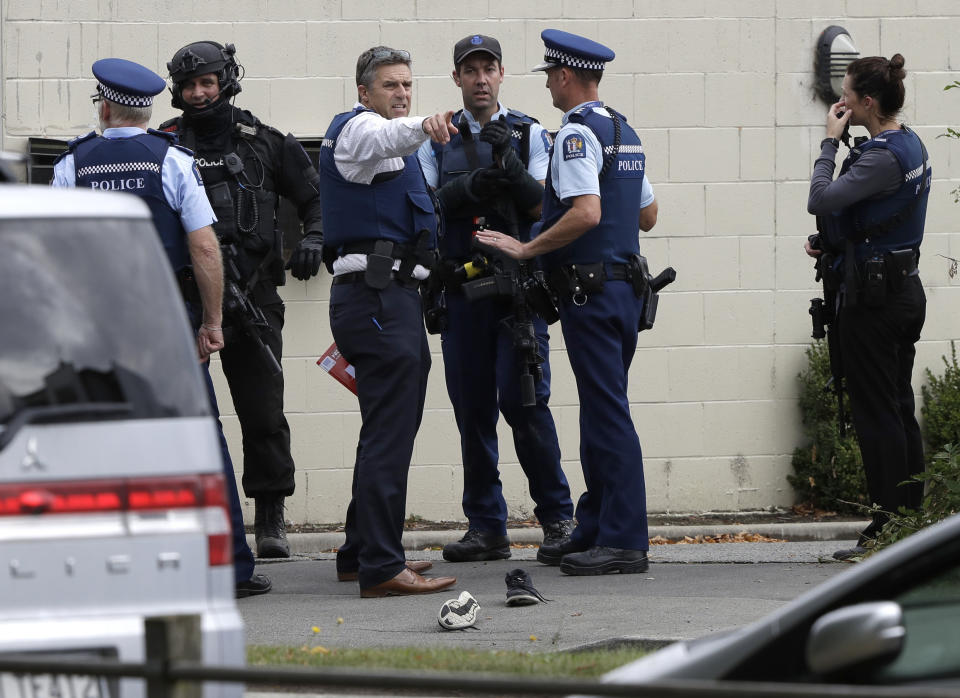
(940, 500)
(829, 470)
(941, 407)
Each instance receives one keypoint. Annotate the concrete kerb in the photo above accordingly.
(309, 543)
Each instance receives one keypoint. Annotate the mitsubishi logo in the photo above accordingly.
(30, 460)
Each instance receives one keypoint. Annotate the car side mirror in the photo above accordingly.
(854, 635)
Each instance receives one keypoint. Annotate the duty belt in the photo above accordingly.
(357, 277)
(575, 279)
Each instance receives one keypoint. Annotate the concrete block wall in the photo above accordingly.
(722, 96)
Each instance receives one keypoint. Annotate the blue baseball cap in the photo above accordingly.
(564, 48)
(126, 82)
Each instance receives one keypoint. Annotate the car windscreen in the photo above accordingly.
(93, 326)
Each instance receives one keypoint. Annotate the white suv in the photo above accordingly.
(112, 502)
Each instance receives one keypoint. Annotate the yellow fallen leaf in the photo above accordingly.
(533, 638)
(315, 630)
(339, 621)
(319, 649)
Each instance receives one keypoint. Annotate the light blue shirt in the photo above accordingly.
(538, 150)
(182, 185)
(578, 176)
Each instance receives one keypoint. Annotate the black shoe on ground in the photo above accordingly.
(477, 545)
(269, 528)
(603, 560)
(520, 591)
(552, 553)
(845, 554)
(257, 584)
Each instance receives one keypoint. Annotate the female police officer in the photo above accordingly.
(871, 222)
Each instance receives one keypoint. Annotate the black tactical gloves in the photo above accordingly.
(524, 189)
(306, 259)
(489, 183)
(497, 134)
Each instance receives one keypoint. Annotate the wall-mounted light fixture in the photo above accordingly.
(835, 51)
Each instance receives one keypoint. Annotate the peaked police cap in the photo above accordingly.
(564, 48)
(126, 82)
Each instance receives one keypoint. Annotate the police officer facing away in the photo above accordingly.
(871, 221)
(493, 169)
(596, 197)
(247, 166)
(150, 165)
(381, 228)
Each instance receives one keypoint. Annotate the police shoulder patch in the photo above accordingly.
(574, 147)
(547, 140)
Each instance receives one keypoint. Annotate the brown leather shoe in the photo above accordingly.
(406, 583)
(417, 566)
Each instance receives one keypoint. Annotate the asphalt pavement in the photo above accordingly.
(690, 590)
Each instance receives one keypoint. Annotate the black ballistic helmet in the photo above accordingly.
(200, 58)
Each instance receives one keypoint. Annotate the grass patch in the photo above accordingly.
(577, 665)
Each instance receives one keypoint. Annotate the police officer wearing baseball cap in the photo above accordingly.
(247, 166)
(493, 169)
(596, 197)
(128, 157)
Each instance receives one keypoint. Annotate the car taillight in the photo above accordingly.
(130, 495)
(219, 538)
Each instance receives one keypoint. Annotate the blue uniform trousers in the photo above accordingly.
(242, 555)
(483, 379)
(381, 333)
(601, 337)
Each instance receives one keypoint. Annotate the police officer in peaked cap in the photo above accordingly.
(493, 170)
(247, 166)
(597, 196)
(128, 157)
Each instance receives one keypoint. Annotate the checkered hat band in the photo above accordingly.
(623, 149)
(124, 98)
(556, 56)
(117, 167)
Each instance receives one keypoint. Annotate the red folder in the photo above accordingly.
(332, 362)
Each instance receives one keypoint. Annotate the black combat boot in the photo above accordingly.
(477, 545)
(268, 527)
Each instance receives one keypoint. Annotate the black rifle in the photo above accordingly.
(825, 318)
(240, 309)
(529, 296)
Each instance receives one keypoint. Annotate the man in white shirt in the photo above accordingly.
(380, 229)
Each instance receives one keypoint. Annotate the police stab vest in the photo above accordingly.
(133, 165)
(894, 222)
(454, 161)
(617, 235)
(389, 208)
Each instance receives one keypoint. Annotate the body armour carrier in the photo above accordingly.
(616, 237)
(241, 188)
(134, 165)
(457, 158)
(893, 222)
(395, 208)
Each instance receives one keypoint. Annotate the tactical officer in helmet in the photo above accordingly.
(494, 169)
(246, 166)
